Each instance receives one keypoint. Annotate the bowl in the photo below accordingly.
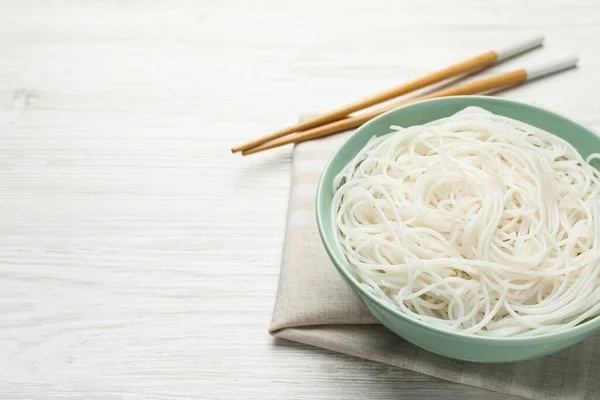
(435, 339)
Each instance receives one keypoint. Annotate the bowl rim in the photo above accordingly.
(341, 264)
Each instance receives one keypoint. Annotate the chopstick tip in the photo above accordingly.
(256, 149)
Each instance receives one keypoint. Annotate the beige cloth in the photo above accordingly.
(315, 306)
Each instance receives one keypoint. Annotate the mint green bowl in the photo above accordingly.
(437, 340)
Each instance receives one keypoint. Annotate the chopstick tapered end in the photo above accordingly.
(265, 146)
(253, 150)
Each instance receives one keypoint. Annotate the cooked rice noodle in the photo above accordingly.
(477, 223)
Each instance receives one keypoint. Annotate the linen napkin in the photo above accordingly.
(315, 306)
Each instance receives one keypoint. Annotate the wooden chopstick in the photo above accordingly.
(482, 85)
(474, 63)
(495, 81)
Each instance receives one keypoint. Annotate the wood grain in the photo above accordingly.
(138, 258)
(474, 87)
(469, 65)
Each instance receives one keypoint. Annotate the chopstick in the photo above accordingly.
(474, 63)
(482, 85)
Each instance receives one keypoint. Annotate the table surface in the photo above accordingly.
(138, 257)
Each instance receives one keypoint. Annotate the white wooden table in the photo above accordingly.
(138, 257)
